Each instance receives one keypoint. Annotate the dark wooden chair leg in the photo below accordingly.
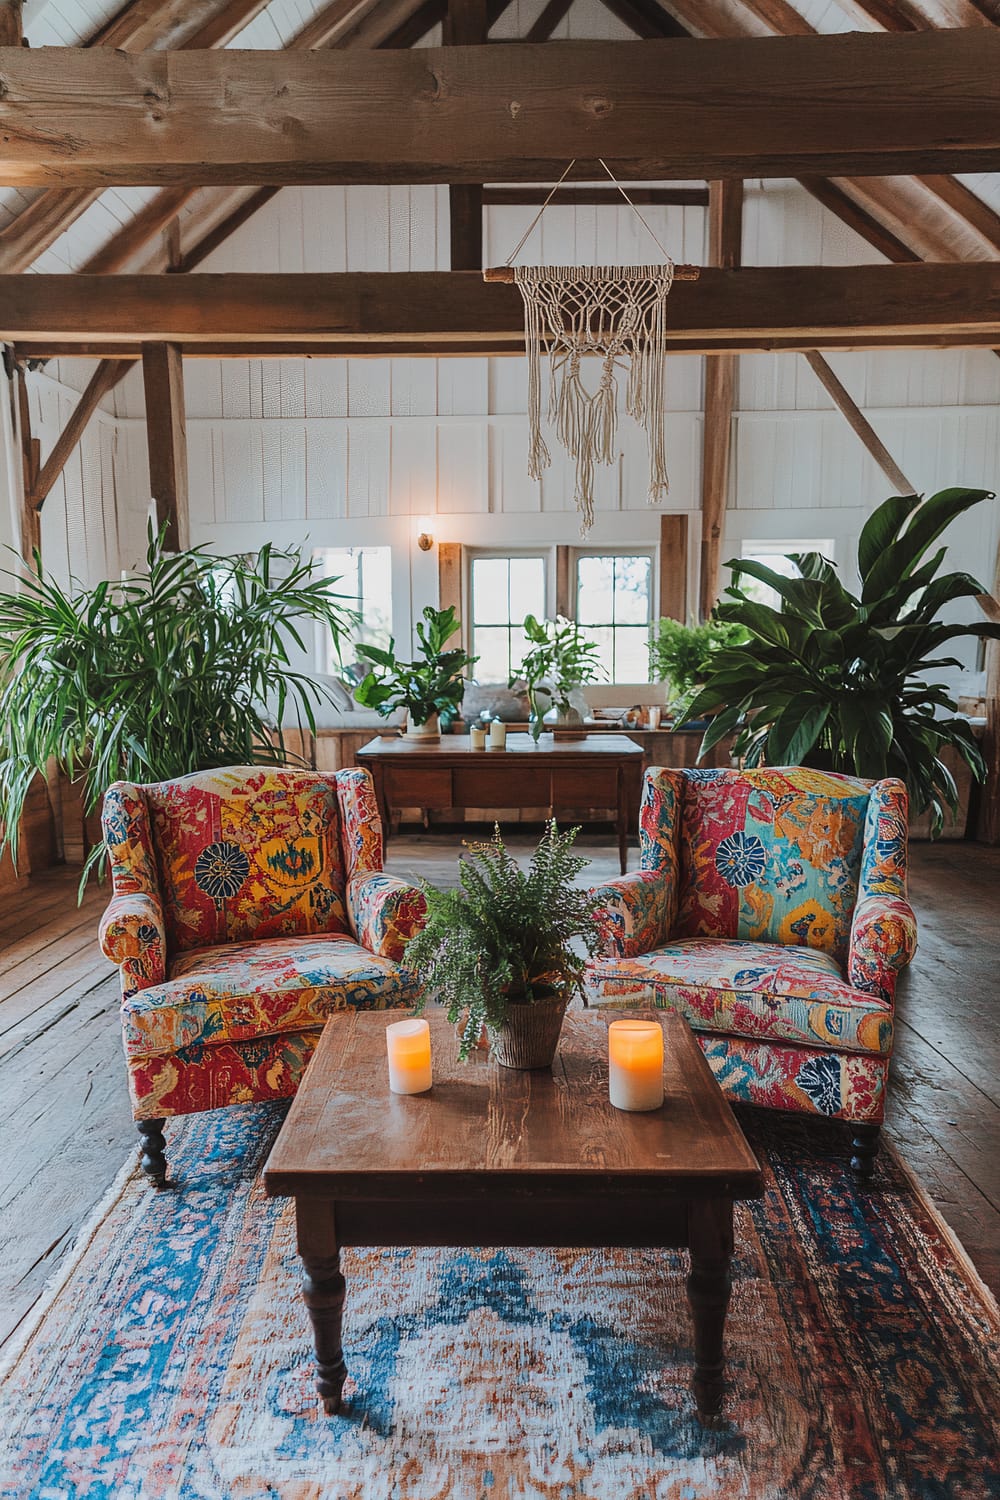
(154, 1162)
(864, 1149)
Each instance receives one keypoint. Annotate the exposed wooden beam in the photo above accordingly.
(378, 26)
(103, 379)
(757, 307)
(646, 18)
(906, 15)
(166, 439)
(859, 423)
(725, 240)
(219, 233)
(466, 25)
(11, 24)
(780, 106)
(858, 219)
(526, 197)
(674, 567)
(153, 217)
(552, 13)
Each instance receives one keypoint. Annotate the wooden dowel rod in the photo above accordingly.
(506, 273)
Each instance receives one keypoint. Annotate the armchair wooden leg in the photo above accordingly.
(154, 1162)
(864, 1149)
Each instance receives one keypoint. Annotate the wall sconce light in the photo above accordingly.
(425, 537)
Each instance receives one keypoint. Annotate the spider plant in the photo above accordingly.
(164, 673)
(845, 680)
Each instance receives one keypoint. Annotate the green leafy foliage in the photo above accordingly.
(435, 683)
(560, 658)
(680, 655)
(504, 937)
(845, 680)
(165, 673)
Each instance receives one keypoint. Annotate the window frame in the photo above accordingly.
(546, 553)
(638, 549)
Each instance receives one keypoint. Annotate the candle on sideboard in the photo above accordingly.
(409, 1047)
(635, 1065)
(498, 734)
(477, 734)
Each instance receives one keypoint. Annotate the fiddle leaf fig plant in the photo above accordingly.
(560, 658)
(433, 684)
(183, 667)
(848, 680)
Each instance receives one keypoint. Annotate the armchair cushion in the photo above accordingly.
(772, 856)
(761, 991)
(246, 853)
(385, 912)
(237, 992)
(632, 912)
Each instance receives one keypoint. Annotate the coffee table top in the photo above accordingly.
(347, 1136)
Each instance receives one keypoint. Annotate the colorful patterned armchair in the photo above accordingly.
(248, 904)
(770, 910)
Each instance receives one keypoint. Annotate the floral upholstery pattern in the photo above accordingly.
(230, 926)
(238, 991)
(385, 912)
(770, 909)
(756, 990)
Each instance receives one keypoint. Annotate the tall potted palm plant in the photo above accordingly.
(847, 681)
(181, 668)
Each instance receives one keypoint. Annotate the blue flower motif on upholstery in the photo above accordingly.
(220, 870)
(740, 859)
(820, 1079)
(147, 933)
(701, 774)
(116, 821)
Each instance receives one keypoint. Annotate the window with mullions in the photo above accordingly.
(502, 590)
(364, 577)
(614, 607)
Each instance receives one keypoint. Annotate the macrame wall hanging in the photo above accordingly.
(617, 314)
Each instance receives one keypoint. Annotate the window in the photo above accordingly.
(614, 606)
(502, 591)
(365, 581)
(774, 555)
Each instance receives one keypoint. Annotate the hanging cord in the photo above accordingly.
(521, 242)
(628, 200)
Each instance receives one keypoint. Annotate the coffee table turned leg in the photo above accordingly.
(323, 1291)
(710, 1231)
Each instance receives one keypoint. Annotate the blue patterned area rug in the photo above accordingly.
(173, 1361)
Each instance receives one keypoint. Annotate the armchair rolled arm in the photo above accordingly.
(883, 940)
(385, 912)
(133, 936)
(632, 912)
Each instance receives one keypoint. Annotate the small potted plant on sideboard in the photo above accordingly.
(433, 684)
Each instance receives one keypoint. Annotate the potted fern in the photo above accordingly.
(432, 685)
(182, 667)
(844, 681)
(498, 949)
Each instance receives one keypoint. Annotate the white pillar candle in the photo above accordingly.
(477, 734)
(635, 1065)
(409, 1047)
(498, 735)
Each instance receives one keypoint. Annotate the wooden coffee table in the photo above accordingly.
(495, 1156)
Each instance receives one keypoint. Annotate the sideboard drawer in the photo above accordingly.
(507, 784)
(585, 786)
(417, 786)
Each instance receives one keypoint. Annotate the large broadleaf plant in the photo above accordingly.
(181, 668)
(848, 680)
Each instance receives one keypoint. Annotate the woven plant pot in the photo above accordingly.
(529, 1036)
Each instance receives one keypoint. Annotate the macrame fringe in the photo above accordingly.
(617, 313)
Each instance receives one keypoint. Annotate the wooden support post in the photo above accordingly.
(450, 578)
(673, 567)
(725, 236)
(859, 423)
(11, 30)
(166, 437)
(466, 25)
(564, 583)
(31, 534)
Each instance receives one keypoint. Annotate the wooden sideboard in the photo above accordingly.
(597, 771)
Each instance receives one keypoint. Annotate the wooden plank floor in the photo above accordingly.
(66, 1129)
